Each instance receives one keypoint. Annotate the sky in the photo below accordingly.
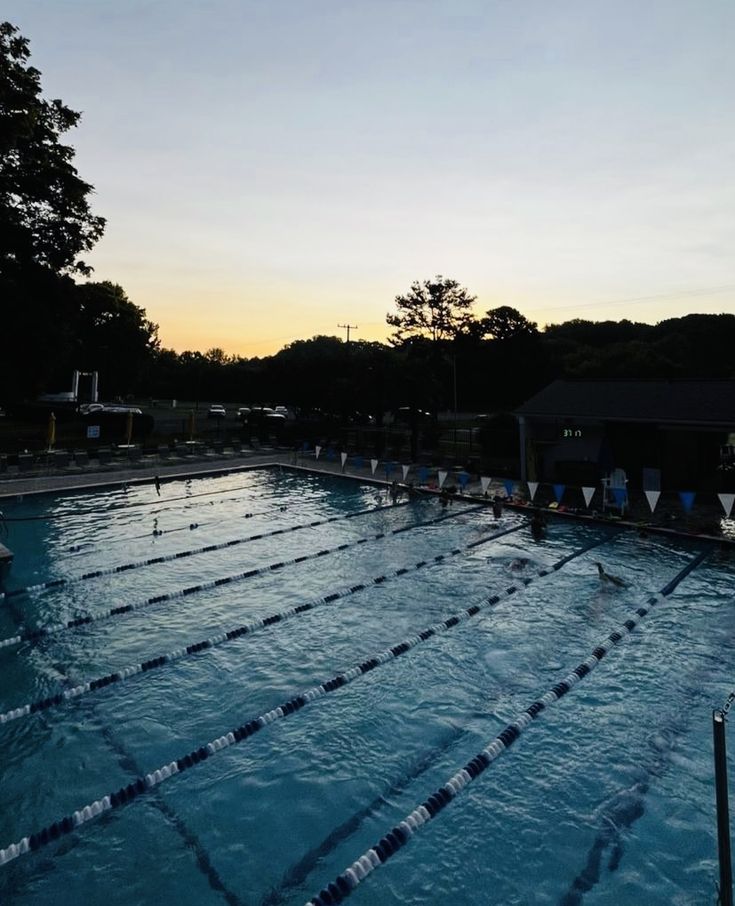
(270, 170)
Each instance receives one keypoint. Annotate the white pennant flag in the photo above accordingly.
(373, 465)
(317, 450)
(532, 488)
(405, 471)
(727, 501)
(485, 483)
(442, 477)
(652, 498)
(343, 457)
(588, 494)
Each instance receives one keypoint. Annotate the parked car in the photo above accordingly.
(216, 410)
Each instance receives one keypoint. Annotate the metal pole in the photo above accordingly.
(723, 812)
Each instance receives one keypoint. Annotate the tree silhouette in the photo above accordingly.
(44, 214)
(505, 322)
(437, 310)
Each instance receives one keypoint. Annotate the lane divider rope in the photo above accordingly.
(34, 635)
(180, 555)
(84, 548)
(141, 784)
(225, 636)
(343, 885)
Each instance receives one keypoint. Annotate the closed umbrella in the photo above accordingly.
(129, 429)
(51, 432)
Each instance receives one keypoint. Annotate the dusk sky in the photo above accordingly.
(271, 169)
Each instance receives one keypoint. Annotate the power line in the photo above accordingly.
(348, 328)
(706, 291)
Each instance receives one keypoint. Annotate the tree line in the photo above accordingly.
(441, 354)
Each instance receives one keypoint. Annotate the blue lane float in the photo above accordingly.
(40, 632)
(398, 836)
(180, 555)
(141, 784)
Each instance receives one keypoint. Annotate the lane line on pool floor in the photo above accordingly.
(130, 792)
(124, 673)
(344, 884)
(42, 632)
(180, 555)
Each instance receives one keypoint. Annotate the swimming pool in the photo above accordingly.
(607, 797)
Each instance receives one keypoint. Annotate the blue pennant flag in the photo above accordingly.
(620, 495)
(358, 462)
(508, 485)
(687, 499)
(559, 491)
(423, 474)
(463, 479)
(388, 468)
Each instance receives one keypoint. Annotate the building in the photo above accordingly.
(681, 432)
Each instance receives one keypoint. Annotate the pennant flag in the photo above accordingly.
(442, 477)
(388, 466)
(508, 485)
(373, 465)
(588, 494)
(652, 498)
(423, 474)
(405, 471)
(485, 484)
(532, 488)
(620, 495)
(559, 491)
(464, 478)
(343, 457)
(331, 455)
(727, 501)
(358, 462)
(317, 450)
(687, 499)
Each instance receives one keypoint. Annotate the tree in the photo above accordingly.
(114, 337)
(436, 310)
(44, 213)
(505, 322)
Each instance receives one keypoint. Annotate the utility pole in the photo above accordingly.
(348, 328)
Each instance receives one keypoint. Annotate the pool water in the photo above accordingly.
(607, 798)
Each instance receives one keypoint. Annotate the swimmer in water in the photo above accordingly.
(538, 526)
(519, 564)
(497, 506)
(606, 577)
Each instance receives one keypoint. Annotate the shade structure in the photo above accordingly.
(51, 431)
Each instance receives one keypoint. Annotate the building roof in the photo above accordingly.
(679, 402)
